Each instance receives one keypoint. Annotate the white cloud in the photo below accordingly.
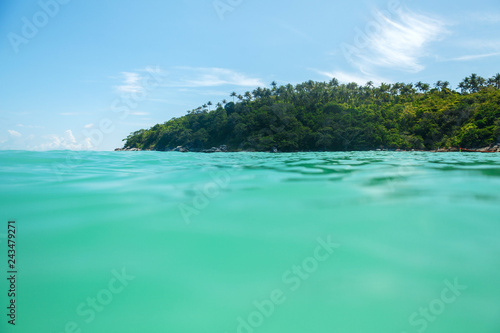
(140, 80)
(131, 83)
(15, 134)
(153, 70)
(475, 49)
(70, 136)
(476, 56)
(28, 126)
(213, 76)
(484, 17)
(394, 42)
(345, 77)
(64, 142)
(88, 125)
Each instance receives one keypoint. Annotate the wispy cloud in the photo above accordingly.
(476, 56)
(484, 17)
(474, 49)
(397, 42)
(345, 77)
(183, 77)
(89, 125)
(15, 134)
(131, 83)
(137, 81)
(212, 77)
(28, 126)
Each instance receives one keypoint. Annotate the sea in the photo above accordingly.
(323, 242)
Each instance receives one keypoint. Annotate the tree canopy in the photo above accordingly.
(328, 116)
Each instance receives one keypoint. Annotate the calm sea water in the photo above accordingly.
(252, 242)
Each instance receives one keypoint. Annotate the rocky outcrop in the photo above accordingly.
(181, 149)
(490, 149)
(220, 149)
(127, 149)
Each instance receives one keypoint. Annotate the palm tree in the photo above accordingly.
(385, 87)
(495, 81)
(396, 88)
(257, 93)
(407, 89)
(233, 95)
(248, 96)
(281, 90)
(464, 85)
(472, 84)
(266, 93)
(274, 84)
(334, 82)
(476, 82)
(209, 105)
(423, 87)
(224, 101)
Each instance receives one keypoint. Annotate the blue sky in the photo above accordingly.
(84, 74)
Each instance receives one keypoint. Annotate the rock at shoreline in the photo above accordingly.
(220, 149)
(224, 149)
(181, 149)
(127, 149)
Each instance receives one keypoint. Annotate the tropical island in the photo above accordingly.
(329, 116)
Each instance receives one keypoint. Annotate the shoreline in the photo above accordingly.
(223, 149)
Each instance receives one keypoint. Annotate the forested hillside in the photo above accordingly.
(320, 116)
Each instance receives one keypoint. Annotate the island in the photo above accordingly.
(329, 116)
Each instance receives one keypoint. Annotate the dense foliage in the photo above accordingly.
(332, 117)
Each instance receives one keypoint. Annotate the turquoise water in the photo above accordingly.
(252, 242)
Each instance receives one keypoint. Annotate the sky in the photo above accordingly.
(82, 75)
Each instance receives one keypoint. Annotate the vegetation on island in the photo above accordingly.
(328, 116)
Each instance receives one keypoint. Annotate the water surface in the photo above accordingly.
(232, 242)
